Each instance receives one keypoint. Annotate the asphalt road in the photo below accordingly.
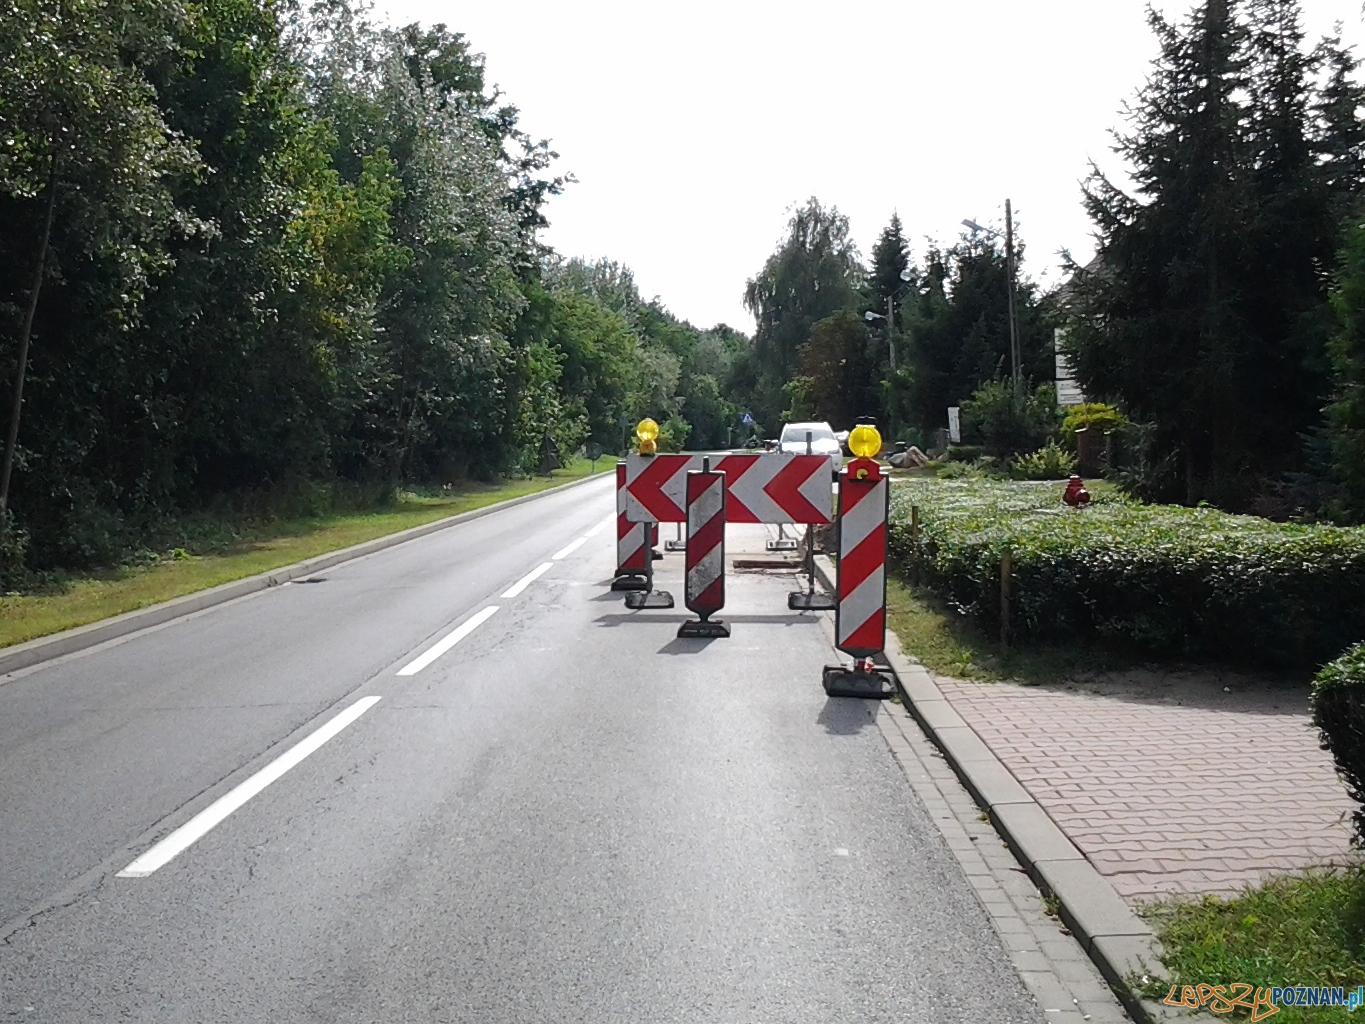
(569, 815)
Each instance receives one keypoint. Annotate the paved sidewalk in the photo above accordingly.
(1051, 962)
(1170, 784)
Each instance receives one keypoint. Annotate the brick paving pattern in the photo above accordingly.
(1052, 964)
(1203, 797)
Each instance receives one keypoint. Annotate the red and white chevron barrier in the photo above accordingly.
(704, 586)
(772, 488)
(860, 616)
(860, 609)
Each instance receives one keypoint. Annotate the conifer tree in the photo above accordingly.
(1158, 319)
(890, 262)
(1206, 310)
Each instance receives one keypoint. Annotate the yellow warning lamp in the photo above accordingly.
(865, 441)
(648, 433)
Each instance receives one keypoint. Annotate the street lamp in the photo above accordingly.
(890, 314)
(974, 227)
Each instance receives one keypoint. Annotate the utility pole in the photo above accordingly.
(1009, 264)
(891, 328)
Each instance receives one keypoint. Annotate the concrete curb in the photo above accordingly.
(1120, 943)
(55, 645)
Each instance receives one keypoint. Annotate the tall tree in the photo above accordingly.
(1159, 318)
(891, 267)
(814, 273)
(1346, 412)
(1340, 131)
(957, 331)
(80, 127)
(892, 278)
(843, 378)
(1206, 312)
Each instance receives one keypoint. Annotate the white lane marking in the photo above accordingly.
(602, 525)
(521, 584)
(448, 641)
(197, 827)
(569, 549)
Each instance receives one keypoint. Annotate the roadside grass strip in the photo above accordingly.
(258, 547)
(1297, 943)
(448, 641)
(950, 644)
(213, 815)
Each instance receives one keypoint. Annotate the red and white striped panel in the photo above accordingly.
(860, 616)
(705, 583)
(656, 487)
(778, 488)
(630, 537)
(774, 488)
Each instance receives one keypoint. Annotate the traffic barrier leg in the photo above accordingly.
(860, 613)
(783, 542)
(808, 600)
(646, 596)
(704, 587)
(677, 544)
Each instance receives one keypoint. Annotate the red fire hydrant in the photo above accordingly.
(1076, 495)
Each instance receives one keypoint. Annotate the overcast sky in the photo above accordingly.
(693, 128)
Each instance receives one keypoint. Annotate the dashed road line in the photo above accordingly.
(521, 584)
(569, 549)
(448, 641)
(197, 827)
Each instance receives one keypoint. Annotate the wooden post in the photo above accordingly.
(1005, 570)
(914, 541)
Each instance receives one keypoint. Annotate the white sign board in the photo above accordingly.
(954, 424)
(1068, 391)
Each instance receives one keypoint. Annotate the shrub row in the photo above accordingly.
(1166, 579)
(1339, 714)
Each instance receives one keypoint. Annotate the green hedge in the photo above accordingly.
(1166, 579)
(1339, 714)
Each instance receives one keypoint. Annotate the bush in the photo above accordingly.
(13, 551)
(964, 453)
(955, 471)
(1096, 416)
(1163, 579)
(673, 434)
(1049, 462)
(1006, 424)
(1339, 714)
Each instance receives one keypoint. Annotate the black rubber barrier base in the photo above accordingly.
(696, 629)
(845, 682)
(801, 601)
(649, 599)
(629, 583)
(786, 544)
(675, 545)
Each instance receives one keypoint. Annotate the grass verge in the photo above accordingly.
(948, 644)
(1299, 930)
(98, 596)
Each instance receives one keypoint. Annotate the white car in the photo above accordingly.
(822, 440)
